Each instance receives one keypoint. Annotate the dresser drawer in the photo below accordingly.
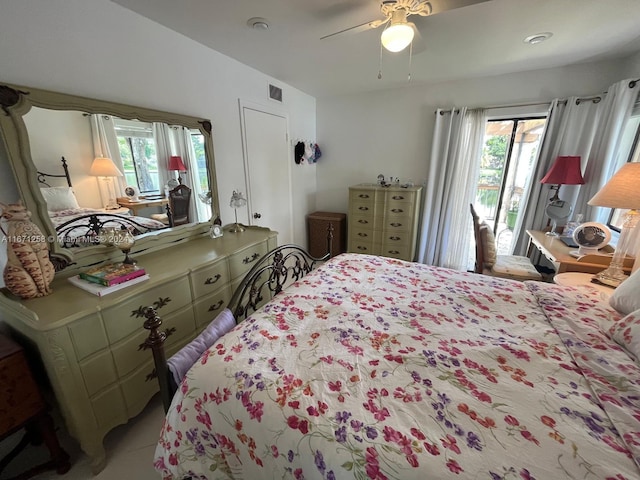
(142, 384)
(364, 209)
(402, 252)
(207, 308)
(362, 196)
(129, 353)
(361, 222)
(398, 210)
(241, 262)
(392, 225)
(128, 317)
(209, 279)
(395, 239)
(358, 246)
(98, 372)
(88, 336)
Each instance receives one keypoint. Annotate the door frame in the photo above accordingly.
(269, 110)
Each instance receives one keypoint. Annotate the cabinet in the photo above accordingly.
(318, 230)
(384, 220)
(91, 347)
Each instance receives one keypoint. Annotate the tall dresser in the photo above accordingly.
(92, 347)
(384, 220)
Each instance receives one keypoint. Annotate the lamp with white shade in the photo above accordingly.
(238, 200)
(621, 191)
(105, 168)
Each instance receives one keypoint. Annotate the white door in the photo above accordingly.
(268, 171)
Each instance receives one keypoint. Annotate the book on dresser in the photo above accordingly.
(102, 290)
(112, 274)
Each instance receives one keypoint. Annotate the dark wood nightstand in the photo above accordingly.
(22, 406)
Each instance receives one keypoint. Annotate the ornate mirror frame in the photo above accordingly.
(16, 101)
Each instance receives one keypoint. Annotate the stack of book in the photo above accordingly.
(109, 278)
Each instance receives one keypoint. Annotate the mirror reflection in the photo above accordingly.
(117, 169)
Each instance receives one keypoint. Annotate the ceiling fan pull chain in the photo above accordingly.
(380, 64)
(410, 55)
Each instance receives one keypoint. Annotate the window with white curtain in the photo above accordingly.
(137, 148)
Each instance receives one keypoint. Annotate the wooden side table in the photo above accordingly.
(22, 406)
(582, 280)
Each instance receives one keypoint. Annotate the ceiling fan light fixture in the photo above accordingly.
(397, 37)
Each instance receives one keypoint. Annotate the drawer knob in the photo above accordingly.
(364, 209)
(211, 281)
(253, 258)
(360, 247)
(363, 195)
(363, 234)
(213, 308)
(397, 197)
(158, 304)
(394, 238)
(394, 252)
(167, 332)
(363, 221)
(397, 210)
(395, 224)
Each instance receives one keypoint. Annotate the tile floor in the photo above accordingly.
(129, 447)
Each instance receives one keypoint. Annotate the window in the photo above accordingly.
(510, 149)
(197, 140)
(138, 152)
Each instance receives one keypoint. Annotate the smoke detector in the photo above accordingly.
(258, 23)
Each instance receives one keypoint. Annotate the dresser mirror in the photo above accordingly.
(40, 127)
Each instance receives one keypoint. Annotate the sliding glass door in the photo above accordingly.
(510, 150)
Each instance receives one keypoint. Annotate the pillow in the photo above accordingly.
(488, 245)
(59, 198)
(626, 333)
(184, 358)
(626, 297)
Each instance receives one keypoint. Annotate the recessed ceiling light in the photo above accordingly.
(538, 38)
(258, 23)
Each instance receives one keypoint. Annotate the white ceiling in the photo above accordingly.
(477, 40)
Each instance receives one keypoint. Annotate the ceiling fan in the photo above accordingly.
(399, 33)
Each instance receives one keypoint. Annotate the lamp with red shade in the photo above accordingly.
(564, 171)
(177, 165)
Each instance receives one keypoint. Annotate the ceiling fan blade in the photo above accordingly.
(358, 28)
(431, 7)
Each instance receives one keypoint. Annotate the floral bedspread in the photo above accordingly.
(371, 367)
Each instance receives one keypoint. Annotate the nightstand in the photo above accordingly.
(22, 406)
(581, 280)
(116, 211)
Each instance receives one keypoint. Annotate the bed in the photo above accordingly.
(77, 226)
(371, 367)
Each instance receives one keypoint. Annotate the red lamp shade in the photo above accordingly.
(176, 164)
(564, 171)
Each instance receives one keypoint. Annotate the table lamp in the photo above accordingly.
(237, 201)
(621, 191)
(564, 171)
(105, 168)
(177, 165)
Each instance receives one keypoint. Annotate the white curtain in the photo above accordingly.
(199, 211)
(451, 187)
(105, 144)
(164, 149)
(591, 128)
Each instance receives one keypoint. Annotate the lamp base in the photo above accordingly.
(612, 276)
(237, 228)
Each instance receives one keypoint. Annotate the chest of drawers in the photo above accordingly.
(91, 347)
(384, 220)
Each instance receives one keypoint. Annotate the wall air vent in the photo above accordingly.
(275, 93)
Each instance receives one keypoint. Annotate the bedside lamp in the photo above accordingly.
(105, 168)
(177, 165)
(237, 201)
(564, 171)
(621, 191)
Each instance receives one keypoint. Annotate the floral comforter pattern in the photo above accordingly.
(377, 368)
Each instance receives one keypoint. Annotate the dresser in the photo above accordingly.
(384, 220)
(92, 347)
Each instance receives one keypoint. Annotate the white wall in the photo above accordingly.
(98, 49)
(390, 132)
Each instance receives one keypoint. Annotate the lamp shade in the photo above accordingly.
(564, 171)
(237, 200)
(176, 164)
(104, 167)
(622, 190)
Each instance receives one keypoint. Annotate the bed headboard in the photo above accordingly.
(42, 177)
